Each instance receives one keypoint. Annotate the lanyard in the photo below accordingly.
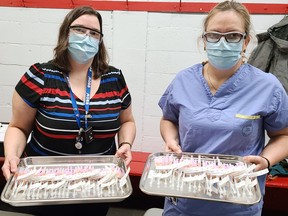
(86, 102)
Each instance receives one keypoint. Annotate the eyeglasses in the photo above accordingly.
(94, 33)
(230, 37)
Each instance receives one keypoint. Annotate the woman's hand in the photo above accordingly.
(17, 133)
(10, 166)
(169, 133)
(260, 162)
(173, 147)
(124, 152)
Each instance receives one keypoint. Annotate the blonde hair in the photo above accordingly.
(234, 6)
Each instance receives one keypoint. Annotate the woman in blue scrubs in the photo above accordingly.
(224, 106)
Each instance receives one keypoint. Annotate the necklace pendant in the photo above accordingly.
(78, 145)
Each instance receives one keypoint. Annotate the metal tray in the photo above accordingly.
(192, 183)
(102, 179)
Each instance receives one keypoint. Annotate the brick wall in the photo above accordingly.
(149, 47)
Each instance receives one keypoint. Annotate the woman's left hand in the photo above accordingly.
(260, 162)
(124, 152)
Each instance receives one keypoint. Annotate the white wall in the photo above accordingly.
(150, 48)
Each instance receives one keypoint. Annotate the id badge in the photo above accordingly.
(88, 135)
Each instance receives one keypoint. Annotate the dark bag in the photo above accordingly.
(271, 53)
(279, 169)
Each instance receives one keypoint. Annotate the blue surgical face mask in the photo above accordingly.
(223, 55)
(82, 47)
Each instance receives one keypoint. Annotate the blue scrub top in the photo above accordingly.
(232, 121)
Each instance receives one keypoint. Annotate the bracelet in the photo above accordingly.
(122, 143)
(268, 162)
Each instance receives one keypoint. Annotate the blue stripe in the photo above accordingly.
(37, 150)
(113, 79)
(49, 76)
(58, 114)
(109, 115)
(30, 104)
(104, 115)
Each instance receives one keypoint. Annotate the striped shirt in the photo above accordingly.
(55, 129)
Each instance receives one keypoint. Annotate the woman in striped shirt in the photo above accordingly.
(74, 104)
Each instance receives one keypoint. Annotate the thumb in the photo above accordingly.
(176, 148)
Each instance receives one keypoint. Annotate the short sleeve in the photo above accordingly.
(123, 91)
(278, 118)
(169, 109)
(31, 84)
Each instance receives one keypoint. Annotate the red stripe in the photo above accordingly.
(105, 109)
(106, 95)
(41, 72)
(56, 92)
(31, 85)
(123, 91)
(103, 136)
(55, 136)
(59, 107)
(193, 7)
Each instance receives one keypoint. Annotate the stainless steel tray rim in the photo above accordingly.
(116, 193)
(162, 186)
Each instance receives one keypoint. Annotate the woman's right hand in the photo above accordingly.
(10, 166)
(17, 133)
(173, 147)
(169, 133)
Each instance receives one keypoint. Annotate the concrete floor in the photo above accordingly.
(117, 209)
(114, 211)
